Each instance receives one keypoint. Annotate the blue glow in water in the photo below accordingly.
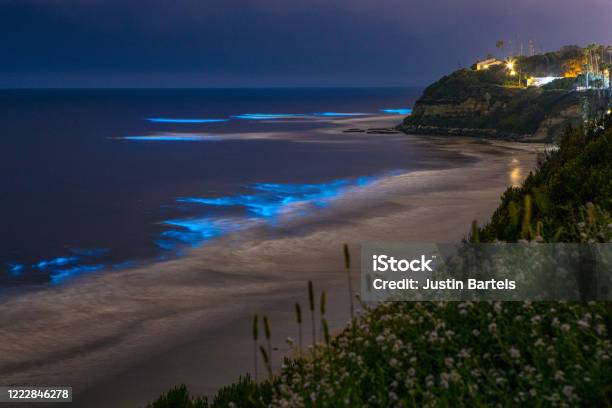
(399, 111)
(259, 205)
(56, 262)
(268, 116)
(171, 120)
(60, 275)
(267, 202)
(15, 269)
(62, 268)
(274, 198)
(165, 245)
(339, 114)
(173, 138)
(194, 231)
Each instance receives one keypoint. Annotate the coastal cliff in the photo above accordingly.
(486, 104)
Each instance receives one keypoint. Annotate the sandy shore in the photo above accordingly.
(121, 338)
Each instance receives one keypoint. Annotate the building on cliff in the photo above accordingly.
(488, 63)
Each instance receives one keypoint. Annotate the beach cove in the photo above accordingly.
(188, 319)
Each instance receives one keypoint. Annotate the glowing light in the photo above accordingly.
(276, 197)
(62, 268)
(171, 120)
(268, 116)
(541, 81)
(266, 203)
(400, 111)
(196, 230)
(56, 262)
(15, 269)
(339, 114)
(61, 275)
(516, 177)
(173, 138)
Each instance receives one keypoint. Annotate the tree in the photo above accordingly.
(500, 45)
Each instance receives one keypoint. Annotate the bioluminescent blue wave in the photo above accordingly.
(268, 116)
(56, 262)
(15, 269)
(173, 138)
(399, 111)
(197, 230)
(60, 275)
(339, 114)
(265, 204)
(62, 268)
(171, 120)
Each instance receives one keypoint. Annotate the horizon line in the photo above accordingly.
(2, 88)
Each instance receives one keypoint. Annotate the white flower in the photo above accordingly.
(536, 319)
(429, 381)
(514, 353)
(449, 361)
(568, 391)
(444, 377)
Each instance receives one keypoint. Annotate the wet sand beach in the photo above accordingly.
(121, 338)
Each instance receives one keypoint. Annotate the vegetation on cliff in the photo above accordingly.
(558, 63)
(494, 101)
(568, 198)
(468, 99)
(487, 100)
(469, 353)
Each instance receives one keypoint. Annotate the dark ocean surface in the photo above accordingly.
(99, 179)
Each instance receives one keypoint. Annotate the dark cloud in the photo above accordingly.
(275, 42)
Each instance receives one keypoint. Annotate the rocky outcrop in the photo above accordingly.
(485, 104)
(554, 124)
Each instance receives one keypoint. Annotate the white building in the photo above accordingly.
(487, 63)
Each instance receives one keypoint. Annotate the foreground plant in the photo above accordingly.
(482, 354)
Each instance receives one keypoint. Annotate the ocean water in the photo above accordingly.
(105, 179)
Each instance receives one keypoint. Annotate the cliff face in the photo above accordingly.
(484, 103)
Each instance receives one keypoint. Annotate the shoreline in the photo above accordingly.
(189, 318)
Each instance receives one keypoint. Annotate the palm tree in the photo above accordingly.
(500, 45)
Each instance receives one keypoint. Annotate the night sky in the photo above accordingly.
(229, 43)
